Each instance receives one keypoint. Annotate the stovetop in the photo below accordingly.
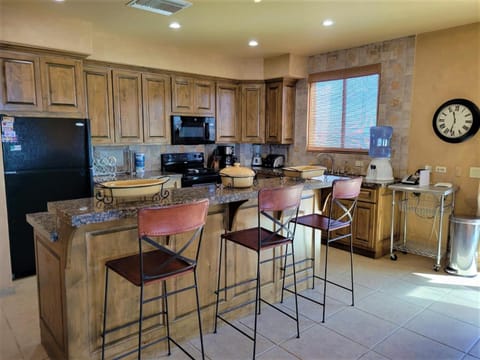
(191, 166)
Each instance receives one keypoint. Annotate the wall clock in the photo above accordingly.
(456, 120)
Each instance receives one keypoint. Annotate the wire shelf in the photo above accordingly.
(423, 206)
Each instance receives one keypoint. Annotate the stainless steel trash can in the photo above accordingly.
(463, 244)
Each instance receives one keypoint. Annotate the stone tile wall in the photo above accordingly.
(397, 59)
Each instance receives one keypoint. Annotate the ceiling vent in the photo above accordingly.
(164, 7)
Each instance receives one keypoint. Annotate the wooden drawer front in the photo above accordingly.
(368, 195)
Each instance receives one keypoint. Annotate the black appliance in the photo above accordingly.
(44, 159)
(191, 166)
(226, 155)
(192, 130)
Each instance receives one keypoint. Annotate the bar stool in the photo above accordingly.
(153, 266)
(277, 206)
(337, 225)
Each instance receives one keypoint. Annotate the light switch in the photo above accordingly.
(475, 172)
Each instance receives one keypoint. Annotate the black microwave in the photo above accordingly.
(192, 130)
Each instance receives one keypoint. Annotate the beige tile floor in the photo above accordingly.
(403, 310)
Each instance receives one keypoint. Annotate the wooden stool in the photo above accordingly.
(278, 206)
(160, 264)
(337, 225)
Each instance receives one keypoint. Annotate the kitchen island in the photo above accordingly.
(75, 238)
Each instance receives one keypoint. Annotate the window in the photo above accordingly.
(343, 105)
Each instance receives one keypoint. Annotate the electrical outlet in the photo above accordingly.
(358, 163)
(440, 169)
(475, 172)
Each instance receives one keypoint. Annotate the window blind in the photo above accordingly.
(343, 105)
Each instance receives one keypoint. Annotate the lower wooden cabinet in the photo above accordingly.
(371, 223)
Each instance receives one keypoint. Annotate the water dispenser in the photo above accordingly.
(380, 168)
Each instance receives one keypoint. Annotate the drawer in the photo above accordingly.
(368, 195)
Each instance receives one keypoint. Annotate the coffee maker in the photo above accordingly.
(226, 154)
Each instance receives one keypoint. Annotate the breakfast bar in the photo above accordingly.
(76, 237)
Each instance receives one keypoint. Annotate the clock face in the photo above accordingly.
(456, 120)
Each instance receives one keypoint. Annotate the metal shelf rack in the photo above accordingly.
(439, 200)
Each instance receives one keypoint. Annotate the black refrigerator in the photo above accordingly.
(44, 159)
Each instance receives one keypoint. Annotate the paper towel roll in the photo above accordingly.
(424, 178)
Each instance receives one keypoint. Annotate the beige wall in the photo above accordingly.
(5, 271)
(447, 66)
(75, 35)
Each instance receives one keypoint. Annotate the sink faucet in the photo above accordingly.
(330, 157)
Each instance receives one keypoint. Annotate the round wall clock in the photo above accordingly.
(456, 120)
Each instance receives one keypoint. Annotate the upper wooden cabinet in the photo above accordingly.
(280, 111)
(62, 85)
(99, 104)
(156, 108)
(20, 81)
(253, 113)
(33, 83)
(193, 96)
(127, 101)
(228, 114)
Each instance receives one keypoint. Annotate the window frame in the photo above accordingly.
(342, 74)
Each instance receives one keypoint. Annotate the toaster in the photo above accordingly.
(274, 161)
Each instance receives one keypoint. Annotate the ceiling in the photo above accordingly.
(280, 26)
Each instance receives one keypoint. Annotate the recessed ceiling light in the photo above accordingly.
(174, 25)
(257, 1)
(253, 43)
(328, 22)
(59, 0)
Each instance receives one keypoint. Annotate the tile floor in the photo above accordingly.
(403, 310)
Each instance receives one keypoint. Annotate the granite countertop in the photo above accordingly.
(153, 174)
(90, 210)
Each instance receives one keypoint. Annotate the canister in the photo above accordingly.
(139, 162)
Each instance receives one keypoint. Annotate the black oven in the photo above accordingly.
(192, 130)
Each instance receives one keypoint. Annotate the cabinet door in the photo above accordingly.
(127, 99)
(99, 104)
(193, 96)
(280, 111)
(156, 108)
(182, 94)
(204, 97)
(62, 85)
(228, 123)
(20, 82)
(253, 113)
(364, 225)
(273, 116)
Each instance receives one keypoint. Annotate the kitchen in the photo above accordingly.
(408, 101)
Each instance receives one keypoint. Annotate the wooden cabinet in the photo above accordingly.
(193, 96)
(20, 88)
(253, 113)
(127, 99)
(228, 114)
(371, 223)
(62, 85)
(39, 83)
(99, 104)
(280, 111)
(156, 108)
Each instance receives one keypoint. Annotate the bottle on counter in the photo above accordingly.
(139, 162)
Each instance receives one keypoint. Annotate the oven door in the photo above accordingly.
(192, 130)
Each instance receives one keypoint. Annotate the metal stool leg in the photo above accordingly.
(167, 321)
(325, 281)
(257, 301)
(295, 288)
(198, 314)
(351, 265)
(285, 271)
(218, 285)
(140, 320)
(104, 314)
